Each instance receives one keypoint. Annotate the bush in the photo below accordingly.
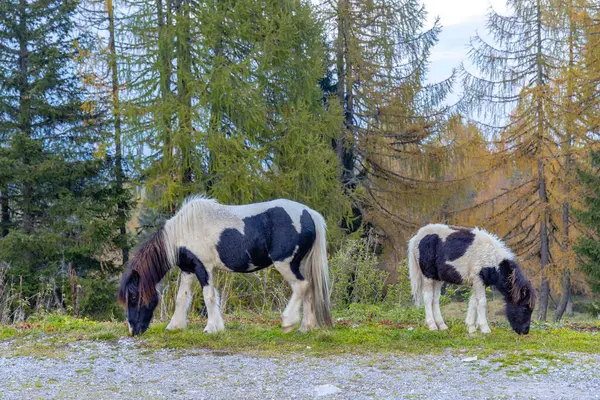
(357, 278)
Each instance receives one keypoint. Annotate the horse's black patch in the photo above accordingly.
(429, 251)
(306, 239)
(457, 243)
(489, 276)
(448, 273)
(269, 236)
(434, 253)
(188, 262)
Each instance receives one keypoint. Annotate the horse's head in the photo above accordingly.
(520, 303)
(138, 285)
(139, 313)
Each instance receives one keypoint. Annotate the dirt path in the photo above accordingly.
(105, 370)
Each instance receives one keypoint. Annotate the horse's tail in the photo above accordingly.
(317, 273)
(414, 271)
(147, 267)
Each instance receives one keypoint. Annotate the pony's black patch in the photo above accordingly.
(432, 260)
(457, 243)
(489, 276)
(447, 273)
(429, 251)
(269, 236)
(518, 293)
(188, 262)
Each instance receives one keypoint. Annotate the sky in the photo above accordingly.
(460, 20)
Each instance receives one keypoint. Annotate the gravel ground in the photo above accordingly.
(111, 370)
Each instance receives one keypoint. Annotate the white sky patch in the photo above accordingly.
(461, 11)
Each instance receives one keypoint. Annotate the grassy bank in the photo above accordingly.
(51, 335)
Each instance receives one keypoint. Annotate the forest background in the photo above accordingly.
(112, 112)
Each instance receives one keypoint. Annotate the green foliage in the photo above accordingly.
(588, 246)
(59, 205)
(99, 299)
(358, 279)
(246, 335)
(247, 82)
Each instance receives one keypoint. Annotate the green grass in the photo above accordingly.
(51, 335)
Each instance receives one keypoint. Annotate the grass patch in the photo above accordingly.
(50, 337)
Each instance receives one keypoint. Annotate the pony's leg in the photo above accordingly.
(215, 320)
(481, 307)
(428, 300)
(437, 313)
(471, 312)
(182, 304)
(291, 314)
(309, 321)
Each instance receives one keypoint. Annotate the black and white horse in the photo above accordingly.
(440, 253)
(205, 235)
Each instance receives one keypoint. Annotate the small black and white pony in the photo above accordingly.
(441, 253)
(205, 235)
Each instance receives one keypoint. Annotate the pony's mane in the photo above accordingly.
(150, 263)
(498, 243)
(198, 197)
(518, 282)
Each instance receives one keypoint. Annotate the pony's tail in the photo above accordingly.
(147, 267)
(317, 274)
(414, 271)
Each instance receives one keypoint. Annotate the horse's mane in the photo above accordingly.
(150, 263)
(518, 283)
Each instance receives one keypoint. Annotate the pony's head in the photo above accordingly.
(138, 286)
(520, 299)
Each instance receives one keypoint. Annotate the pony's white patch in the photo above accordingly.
(182, 303)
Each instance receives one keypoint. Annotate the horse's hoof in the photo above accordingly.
(433, 327)
(486, 330)
(443, 327)
(288, 329)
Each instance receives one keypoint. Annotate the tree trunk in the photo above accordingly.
(116, 111)
(544, 246)
(165, 80)
(184, 75)
(5, 210)
(566, 146)
(341, 87)
(25, 122)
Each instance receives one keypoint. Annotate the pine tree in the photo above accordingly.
(57, 194)
(244, 104)
(517, 71)
(588, 245)
(380, 51)
(533, 75)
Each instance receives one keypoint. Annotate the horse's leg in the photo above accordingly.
(437, 313)
(471, 312)
(182, 304)
(428, 300)
(481, 307)
(215, 320)
(291, 314)
(309, 321)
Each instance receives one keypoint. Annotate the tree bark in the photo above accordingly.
(570, 123)
(184, 74)
(116, 111)
(544, 245)
(25, 118)
(165, 79)
(5, 210)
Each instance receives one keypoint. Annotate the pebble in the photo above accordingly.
(110, 370)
